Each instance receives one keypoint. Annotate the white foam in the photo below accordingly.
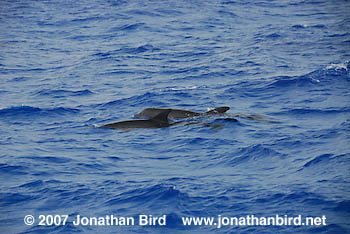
(337, 67)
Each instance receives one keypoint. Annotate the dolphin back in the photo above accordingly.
(151, 113)
(158, 121)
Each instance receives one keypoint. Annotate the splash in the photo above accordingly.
(338, 66)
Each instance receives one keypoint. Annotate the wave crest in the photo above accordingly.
(30, 111)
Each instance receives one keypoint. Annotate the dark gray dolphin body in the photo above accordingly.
(178, 113)
(158, 121)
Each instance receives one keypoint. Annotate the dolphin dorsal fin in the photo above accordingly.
(162, 116)
(218, 110)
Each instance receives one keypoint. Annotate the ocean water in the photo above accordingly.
(69, 66)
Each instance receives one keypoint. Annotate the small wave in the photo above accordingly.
(298, 81)
(258, 151)
(227, 13)
(128, 27)
(299, 26)
(33, 184)
(332, 72)
(67, 228)
(327, 159)
(86, 19)
(317, 77)
(50, 159)
(309, 111)
(177, 88)
(304, 26)
(20, 79)
(143, 13)
(102, 54)
(277, 84)
(329, 228)
(320, 26)
(343, 206)
(345, 35)
(29, 111)
(115, 54)
(13, 170)
(254, 153)
(147, 98)
(157, 194)
(138, 49)
(7, 199)
(273, 36)
(301, 197)
(166, 12)
(114, 158)
(57, 93)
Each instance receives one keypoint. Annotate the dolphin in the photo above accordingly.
(158, 121)
(180, 114)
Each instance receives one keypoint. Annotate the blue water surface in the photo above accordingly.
(69, 66)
